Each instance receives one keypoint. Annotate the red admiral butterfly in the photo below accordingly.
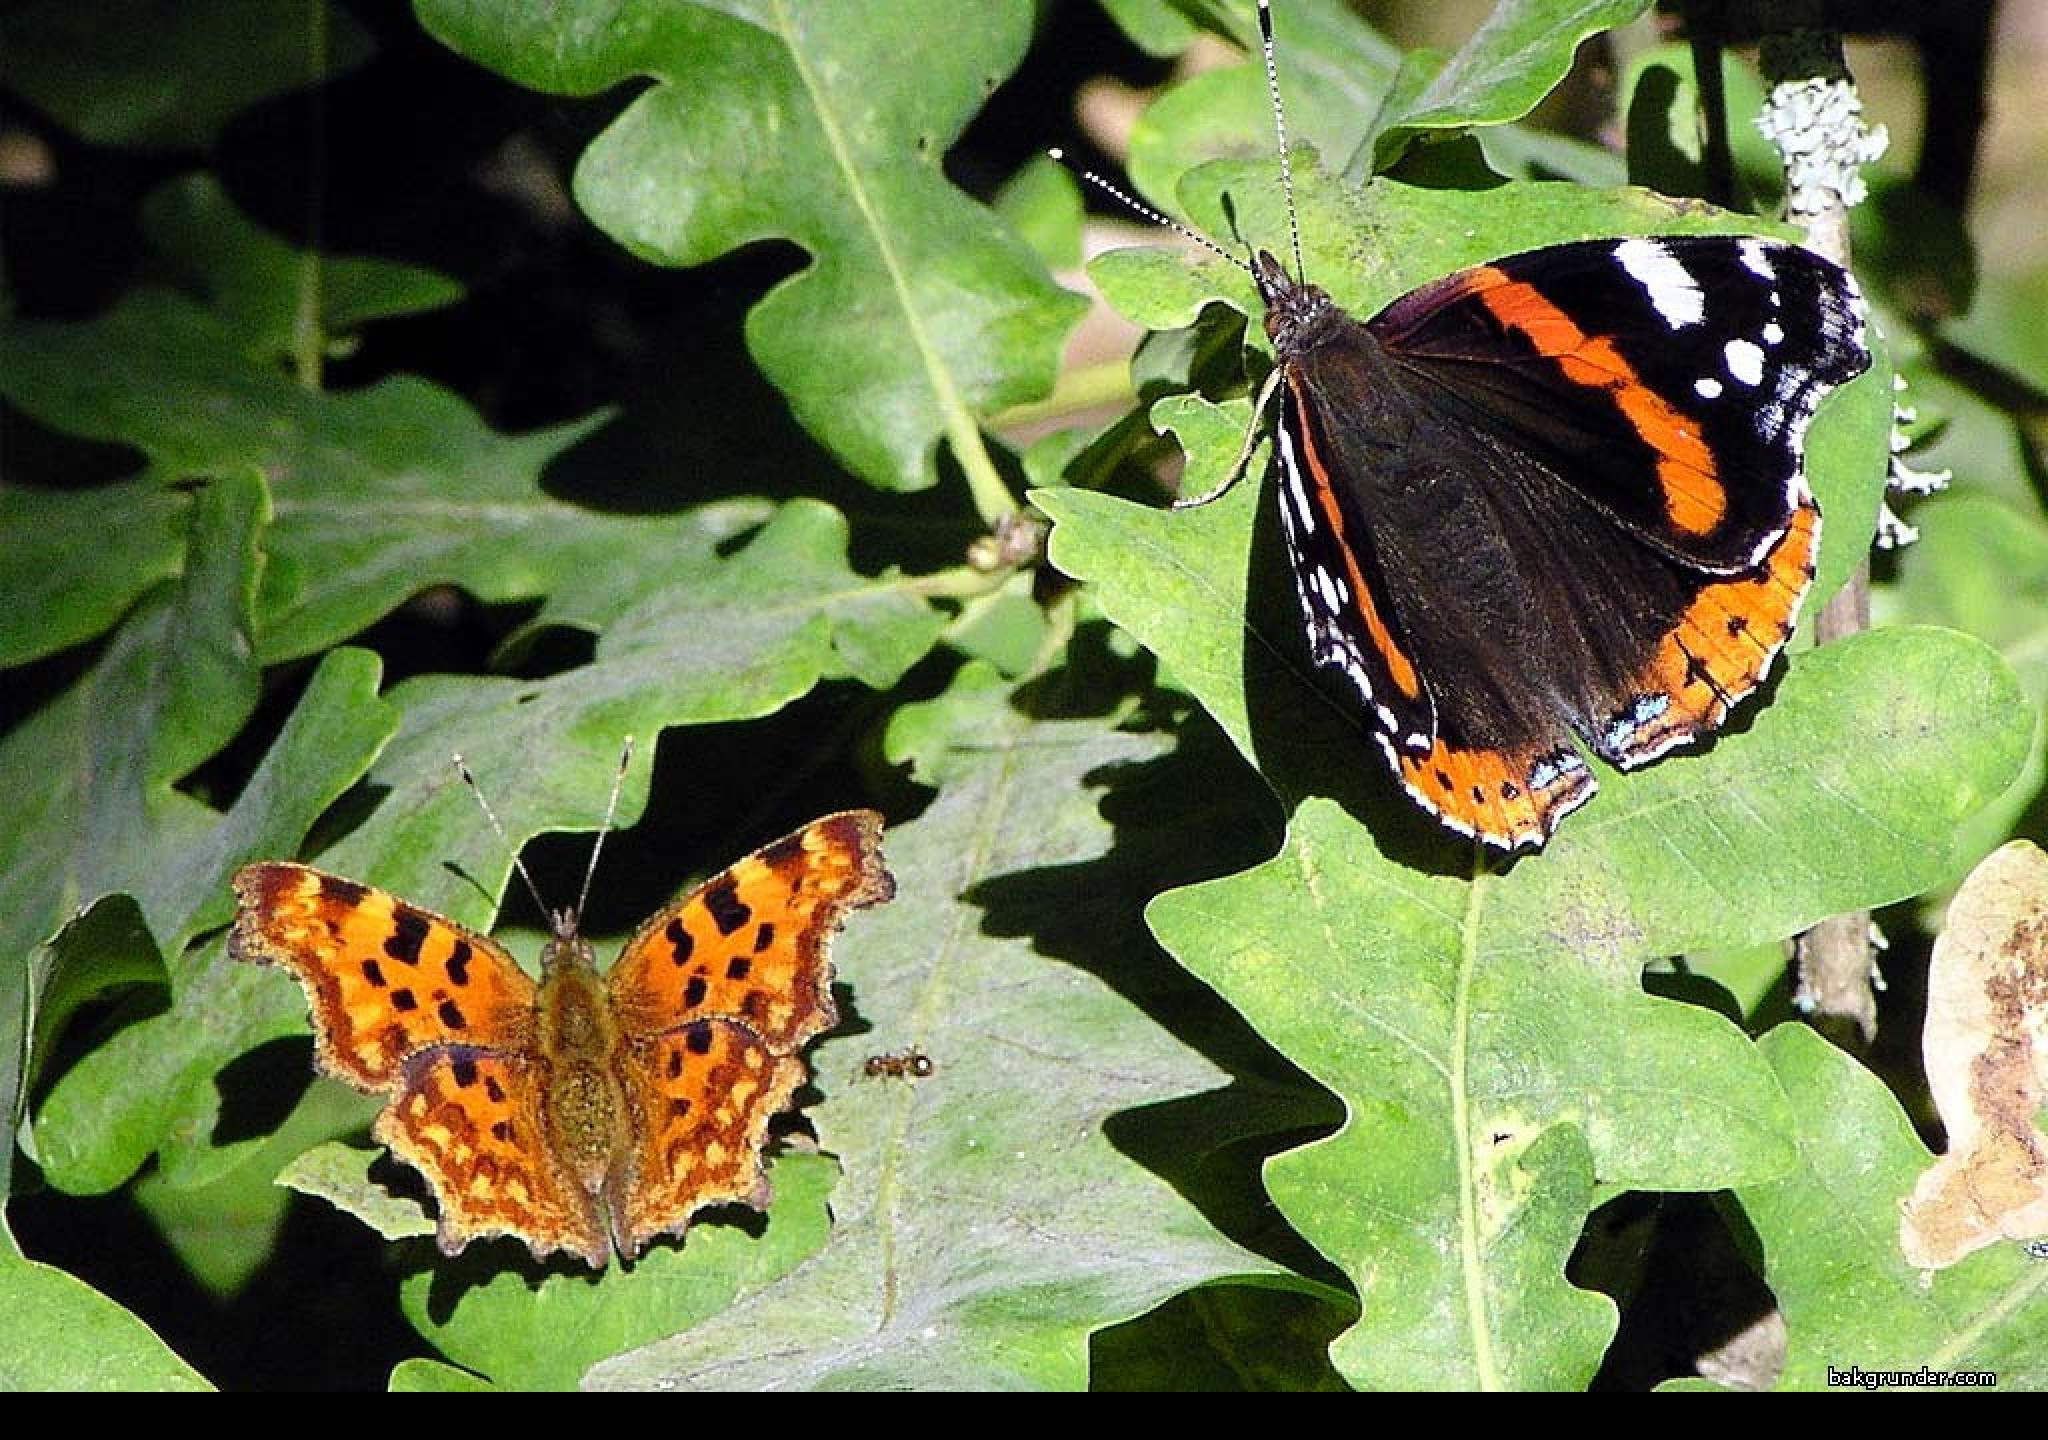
(1555, 497)
(1559, 495)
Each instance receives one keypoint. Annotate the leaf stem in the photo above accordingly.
(962, 582)
(1107, 382)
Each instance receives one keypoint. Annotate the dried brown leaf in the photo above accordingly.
(1987, 1009)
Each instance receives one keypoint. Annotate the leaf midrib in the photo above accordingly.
(1471, 1259)
(960, 426)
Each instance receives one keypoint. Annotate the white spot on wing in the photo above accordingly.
(1745, 361)
(1326, 588)
(1673, 293)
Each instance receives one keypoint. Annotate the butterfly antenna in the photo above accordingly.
(1280, 132)
(611, 809)
(518, 863)
(1133, 203)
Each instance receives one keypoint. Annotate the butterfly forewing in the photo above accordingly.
(750, 944)
(384, 978)
(1606, 361)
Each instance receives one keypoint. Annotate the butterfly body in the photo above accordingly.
(1555, 501)
(582, 1072)
(588, 1113)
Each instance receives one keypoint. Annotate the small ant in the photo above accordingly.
(901, 1064)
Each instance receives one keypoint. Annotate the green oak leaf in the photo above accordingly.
(1487, 1031)
(1521, 51)
(61, 1334)
(918, 313)
(375, 495)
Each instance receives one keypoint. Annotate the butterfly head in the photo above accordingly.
(1293, 308)
(566, 947)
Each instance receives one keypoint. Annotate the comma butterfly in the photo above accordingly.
(589, 1113)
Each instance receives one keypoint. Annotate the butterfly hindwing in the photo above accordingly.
(705, 1092)
(472, 1123)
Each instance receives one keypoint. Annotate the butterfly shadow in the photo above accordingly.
(259, 1089)
(481, 1264)
(486, 1262)
(1089, 914)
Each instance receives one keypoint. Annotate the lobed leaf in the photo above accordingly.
(768, 119)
